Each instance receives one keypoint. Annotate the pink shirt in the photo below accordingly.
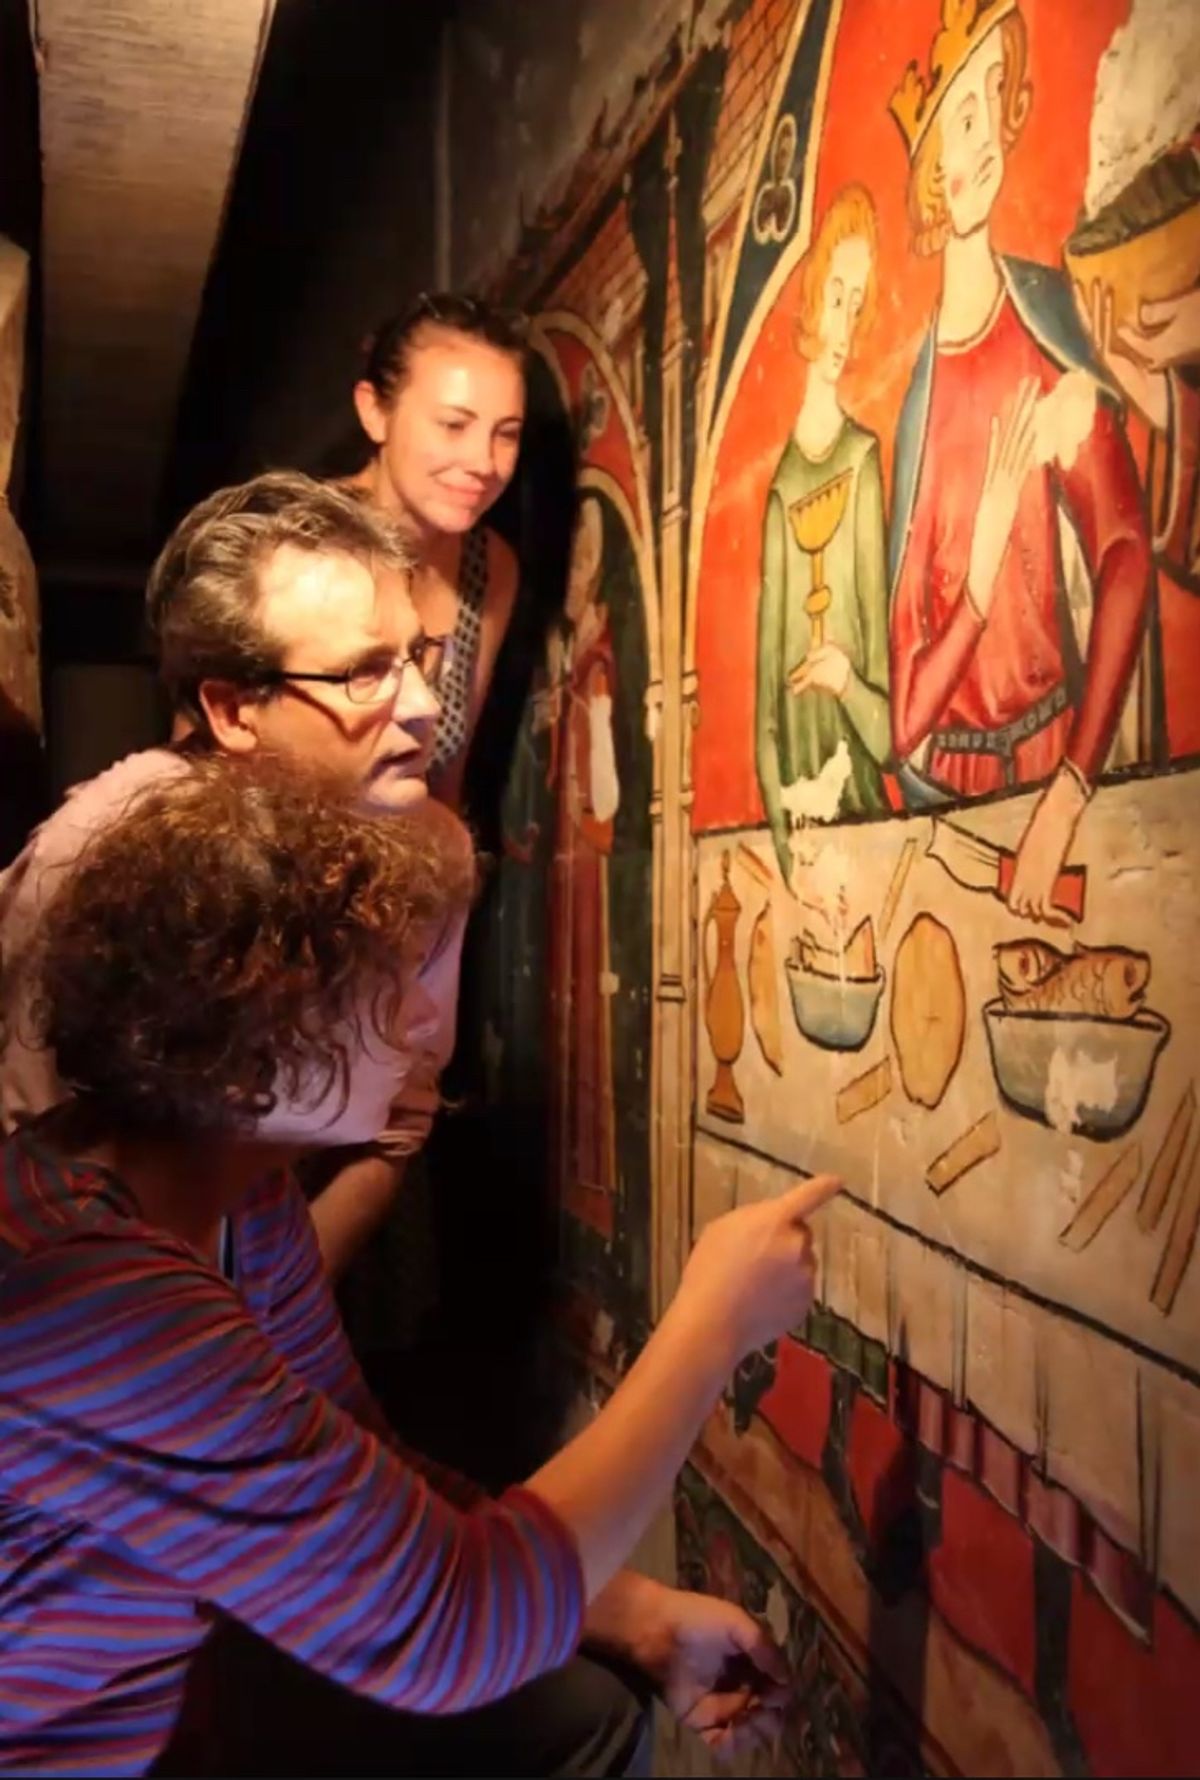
(393, 1095)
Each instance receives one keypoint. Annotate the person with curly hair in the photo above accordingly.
(185, 1438)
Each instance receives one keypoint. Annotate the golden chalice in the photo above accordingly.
(814, 521)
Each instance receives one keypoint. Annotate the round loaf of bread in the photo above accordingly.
(929, 1010)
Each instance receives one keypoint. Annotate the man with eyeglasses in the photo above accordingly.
(277, 629)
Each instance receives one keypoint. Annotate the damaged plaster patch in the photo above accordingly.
(1077, 1080)
(900, 1131)
(1064, 418)
(1071, 1179)
(819, 799)
(1145, 102)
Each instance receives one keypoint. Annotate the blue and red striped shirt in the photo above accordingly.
(177, 1446)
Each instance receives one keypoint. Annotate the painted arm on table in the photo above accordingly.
(1101, 492)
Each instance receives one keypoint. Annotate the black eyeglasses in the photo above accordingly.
(374, 682)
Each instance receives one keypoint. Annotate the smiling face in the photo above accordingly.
(842, 304)
(972, 137)
(449, 438)
(330, 613)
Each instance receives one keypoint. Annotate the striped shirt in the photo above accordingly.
(176, 1446)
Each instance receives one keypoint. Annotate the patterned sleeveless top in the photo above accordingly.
(458, 666)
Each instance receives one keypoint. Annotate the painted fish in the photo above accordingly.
(1105, 982)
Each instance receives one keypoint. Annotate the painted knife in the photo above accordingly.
(978, 865)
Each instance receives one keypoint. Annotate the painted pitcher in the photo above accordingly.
(724, 1012)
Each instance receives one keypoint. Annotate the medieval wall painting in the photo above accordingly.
(987, 630)
(964, 654)
(880, 332)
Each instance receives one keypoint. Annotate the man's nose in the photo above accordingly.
(415, 701)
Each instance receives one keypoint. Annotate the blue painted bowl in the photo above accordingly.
(837, 1013)
(1073, 1071)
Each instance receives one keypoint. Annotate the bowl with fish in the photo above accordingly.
(836, 990)
(1072, 1041)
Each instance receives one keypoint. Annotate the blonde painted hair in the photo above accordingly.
(928, 213)
(850, 216)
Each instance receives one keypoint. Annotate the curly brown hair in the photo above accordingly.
(207, 955)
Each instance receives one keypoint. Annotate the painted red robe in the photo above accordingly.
(582, 1119)
(950, 670)
(1175, 480)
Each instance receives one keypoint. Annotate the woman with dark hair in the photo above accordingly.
(184, 1436)
(442, 401)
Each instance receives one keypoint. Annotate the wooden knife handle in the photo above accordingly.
(1070, 886)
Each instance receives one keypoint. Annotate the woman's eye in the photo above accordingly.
(454, 426)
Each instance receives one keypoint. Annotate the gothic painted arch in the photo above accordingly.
(629, 492)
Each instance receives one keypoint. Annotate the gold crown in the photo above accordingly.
(965, 24)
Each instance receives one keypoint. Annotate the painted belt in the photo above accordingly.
(1003, 742)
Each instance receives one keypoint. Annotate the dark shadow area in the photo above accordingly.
(330, 226)
(906, 1525)
(1052, 1618)
(23, 774)
(24, 796)
(20, 157)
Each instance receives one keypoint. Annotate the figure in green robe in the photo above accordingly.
(822, 678)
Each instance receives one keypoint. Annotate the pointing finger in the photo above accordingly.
(800, 1203)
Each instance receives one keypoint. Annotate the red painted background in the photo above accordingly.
(1035, 212)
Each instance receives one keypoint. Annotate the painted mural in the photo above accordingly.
(855, 824)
